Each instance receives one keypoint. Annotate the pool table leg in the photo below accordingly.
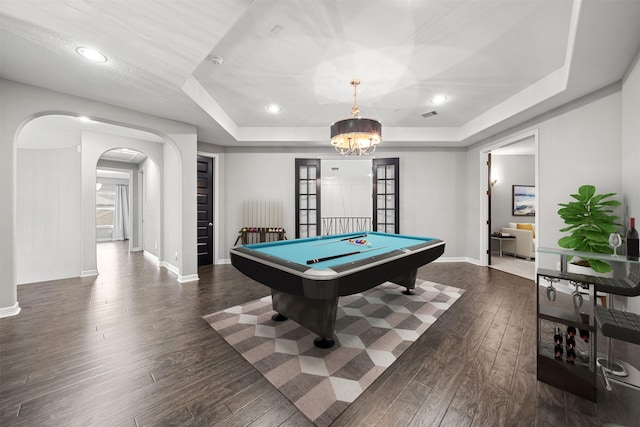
(323, 342)
(279, 317)
(317, 315)
(407, 280)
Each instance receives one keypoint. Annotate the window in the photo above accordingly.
(105, 207)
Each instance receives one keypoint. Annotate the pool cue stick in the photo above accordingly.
(327, 258)
(342, 240)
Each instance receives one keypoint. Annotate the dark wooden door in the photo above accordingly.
(205, 210)
(489, 191)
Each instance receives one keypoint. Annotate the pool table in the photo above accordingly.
(307, 276)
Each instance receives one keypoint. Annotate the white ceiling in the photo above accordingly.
(500, 62)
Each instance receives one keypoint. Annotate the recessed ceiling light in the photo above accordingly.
(84, 119)
(438, 99)
(273, 108)
(91, 54)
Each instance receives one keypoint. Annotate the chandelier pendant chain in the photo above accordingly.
(355, 111)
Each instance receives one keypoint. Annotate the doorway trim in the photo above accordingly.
(483, 188)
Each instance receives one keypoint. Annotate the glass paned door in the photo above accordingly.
(307, 197)
(386, 189)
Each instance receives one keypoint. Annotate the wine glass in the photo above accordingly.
(615, 241)
(551, 291)
(577, 298)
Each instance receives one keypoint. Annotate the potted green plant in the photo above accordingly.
(590, 220)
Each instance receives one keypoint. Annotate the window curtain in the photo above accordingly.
(121, 213)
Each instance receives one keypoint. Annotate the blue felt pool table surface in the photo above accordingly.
(299, 251)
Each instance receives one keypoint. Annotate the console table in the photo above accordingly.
(578, 376)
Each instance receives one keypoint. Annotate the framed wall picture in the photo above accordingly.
(524, 200)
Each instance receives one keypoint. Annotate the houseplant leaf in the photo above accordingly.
(589, 221)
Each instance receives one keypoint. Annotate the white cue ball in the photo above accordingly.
(368, 244)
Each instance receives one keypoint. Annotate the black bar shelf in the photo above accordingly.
(580, 376)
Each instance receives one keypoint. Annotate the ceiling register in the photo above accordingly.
(356, 135)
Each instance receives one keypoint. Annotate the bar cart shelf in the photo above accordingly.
(580, 375)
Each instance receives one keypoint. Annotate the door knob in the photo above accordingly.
(210, 224)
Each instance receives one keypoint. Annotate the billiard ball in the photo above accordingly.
(369, 244)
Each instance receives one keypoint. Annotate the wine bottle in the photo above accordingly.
(584, 334)
(633, 247)
(557, 336)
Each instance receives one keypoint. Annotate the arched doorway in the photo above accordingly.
(57, 157)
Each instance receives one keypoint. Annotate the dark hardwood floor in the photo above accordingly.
(130, 348)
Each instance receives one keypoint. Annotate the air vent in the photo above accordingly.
(215, 59)
(276, 29)
(429, 114)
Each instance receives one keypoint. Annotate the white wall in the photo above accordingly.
(433, 201)
(579, 147)
(256, 176)
(346, 187)
(151, 208)
(49, 210)
(171, 245)
(631, 153)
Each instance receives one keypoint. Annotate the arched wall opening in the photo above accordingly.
(21, 104)
(56, 161)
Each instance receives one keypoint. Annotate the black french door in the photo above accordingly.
(386, 195)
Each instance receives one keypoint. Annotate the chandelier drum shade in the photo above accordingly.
(356, 135)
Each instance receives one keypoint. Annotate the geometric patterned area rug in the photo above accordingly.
(373, 329)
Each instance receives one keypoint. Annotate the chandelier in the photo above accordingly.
(356, 135)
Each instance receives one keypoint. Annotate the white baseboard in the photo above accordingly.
(459, 259)
(188, 278)
(136, 249)
(10, 311)
(175, 270)
(172, 268)
(151, 257)
(89, 273)
(223, 261)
